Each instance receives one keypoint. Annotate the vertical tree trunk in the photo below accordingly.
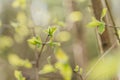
(108, 38)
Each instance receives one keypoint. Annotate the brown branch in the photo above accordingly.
(38, 57)
(116, 31)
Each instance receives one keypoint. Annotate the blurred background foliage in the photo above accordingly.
(22, 19)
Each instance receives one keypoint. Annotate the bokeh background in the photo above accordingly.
(22, 19)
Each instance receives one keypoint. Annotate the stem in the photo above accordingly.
(88, 73)
(38, 57)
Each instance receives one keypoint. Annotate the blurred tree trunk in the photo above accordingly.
(108, 38)
(77, 30)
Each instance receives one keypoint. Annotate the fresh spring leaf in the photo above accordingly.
(51, 31)
(101, 28)
(94, 23)
(19, 75)
(76, 68)
(35, 41)
(104, 11)
(48, 68)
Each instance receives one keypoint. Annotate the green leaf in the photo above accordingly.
(101, 28)
(51, 31)
(94, 23)
(18, 75)
(35, 41)
(48, 68)
(76, 68)
(104, 11)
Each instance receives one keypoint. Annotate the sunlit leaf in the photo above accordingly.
(48, 68)
(18, 75)
(75, 16)
(104, 11)
(35, 41)
(51, 30)
(94, 23)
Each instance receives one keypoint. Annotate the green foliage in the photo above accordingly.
(35, 41)
(51, 31)
(18, 75)
(99, 24)
(18, 62)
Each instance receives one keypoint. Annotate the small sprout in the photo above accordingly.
(51, 31)
(76, 68)
(18, 75)
(35, 41)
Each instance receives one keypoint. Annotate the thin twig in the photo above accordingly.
(38, 57)
(88, 73)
